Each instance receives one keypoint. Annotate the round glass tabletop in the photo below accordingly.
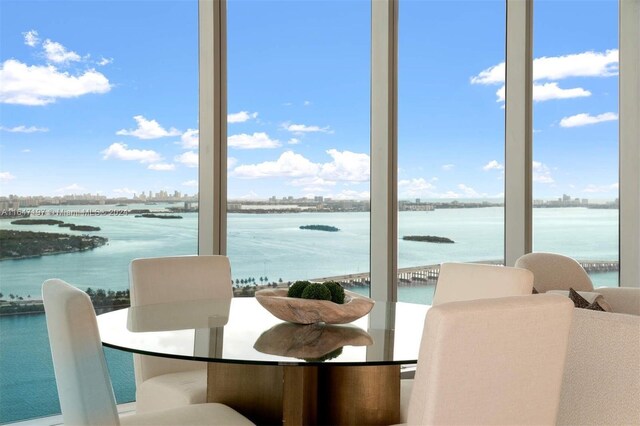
(240, 330)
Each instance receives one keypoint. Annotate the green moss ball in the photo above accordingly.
(297, 288)
(316, 291)
(337, 292)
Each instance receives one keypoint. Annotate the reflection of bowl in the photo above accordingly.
(311, 342)
(308, 311)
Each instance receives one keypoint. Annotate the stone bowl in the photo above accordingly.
(308, 311)
(311, 342)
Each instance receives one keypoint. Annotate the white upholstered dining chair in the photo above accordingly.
(161, 382)
(554, 271)
(84, 386)
(492, 361)
(471, 281)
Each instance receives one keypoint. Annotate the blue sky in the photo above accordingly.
(101, 96)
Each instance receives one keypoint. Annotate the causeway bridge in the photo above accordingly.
(428, 274)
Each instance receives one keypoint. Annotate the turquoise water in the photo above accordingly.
(270, 245)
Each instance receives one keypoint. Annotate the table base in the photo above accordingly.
(308, 395)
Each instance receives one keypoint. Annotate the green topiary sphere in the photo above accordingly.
(326, 357)
(337, 292)
(316, 291)
(297, 288)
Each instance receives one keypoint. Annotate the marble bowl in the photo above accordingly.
(308, 311)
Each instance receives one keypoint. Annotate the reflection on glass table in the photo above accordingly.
(273, 371)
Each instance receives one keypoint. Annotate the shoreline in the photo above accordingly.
(420, 276)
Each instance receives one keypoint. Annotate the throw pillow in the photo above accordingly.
(578, 301)
(581, 302)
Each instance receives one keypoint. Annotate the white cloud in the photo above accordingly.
(105, 61)
(303, 128)
(56, 52)
(289, 164)
(190, 183)
(594, 189)
(189, 159)
(306, 103)
(148, 129)
(346, 166)
(162, 167)
(549, 91)
(585, 119)
(416, 187)
(293, 141)
(586, 64)
(313, 183)
(469, 192)
(257, 140)
(231, 162)
(26, 150)
(119, 151)
(124, 191)
(74, 187)
(41, 85)
(190, 139)
(241, 117)
(31, 38)
(349, 194)
(6, 177)
(492, 165)
(541, 173)
(24, 129)
(447, 167)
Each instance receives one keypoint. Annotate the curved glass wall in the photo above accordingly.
(99, 102)
(575, 150)
(298, 142)
(450, 139)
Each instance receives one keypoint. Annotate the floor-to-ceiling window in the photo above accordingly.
(450, 138)
(99, 111)
(298, 141)
(118, 116)
(575, 149)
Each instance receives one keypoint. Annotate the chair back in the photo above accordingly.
(492, 361)
(553, 271)
(84, 386)
(173, 279)
(470, 281)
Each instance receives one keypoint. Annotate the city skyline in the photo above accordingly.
(114, 117)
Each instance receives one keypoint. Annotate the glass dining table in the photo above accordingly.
(276, 372)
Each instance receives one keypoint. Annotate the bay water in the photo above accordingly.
(268, 246)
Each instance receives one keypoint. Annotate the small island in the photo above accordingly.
(37, 222)
(159, 216)
(326, 228)
(61, 224)
(73, 227)
(428, 239)
(23, 244)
